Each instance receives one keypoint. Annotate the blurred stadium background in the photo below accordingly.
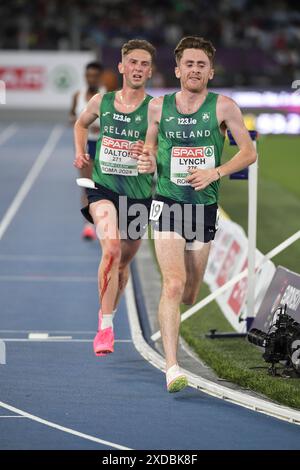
(44, 46)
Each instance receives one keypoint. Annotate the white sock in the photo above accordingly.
(107, 321)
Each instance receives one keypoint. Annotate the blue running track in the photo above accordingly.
(48, 284)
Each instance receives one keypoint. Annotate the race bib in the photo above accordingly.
(156, 210)
(115, 157)
(184, 159)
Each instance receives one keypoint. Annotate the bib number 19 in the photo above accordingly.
(156, 210)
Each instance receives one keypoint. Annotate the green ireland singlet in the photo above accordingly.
(113, 166)
(188, 141)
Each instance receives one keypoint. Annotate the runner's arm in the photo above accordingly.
(229, 114)
(147, 160)
(88, 115)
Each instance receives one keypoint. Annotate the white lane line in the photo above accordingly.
(30, 178)
(50, 424)
(56, 340)
(51, 259)
(25, 278)
(7, 133)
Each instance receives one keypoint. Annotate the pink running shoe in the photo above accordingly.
(88, 232)
(104, 340)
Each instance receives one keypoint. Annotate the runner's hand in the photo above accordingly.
(200, 179)
(136, 149)
(146, 162)
(82, 161)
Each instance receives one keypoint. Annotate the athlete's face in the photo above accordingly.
(136, 68)
(194, 70)
(93, 78)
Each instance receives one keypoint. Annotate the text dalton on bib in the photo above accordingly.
(184, 159)
(115, 157)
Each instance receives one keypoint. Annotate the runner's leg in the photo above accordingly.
(195, 264)
(170, 255)
(128, 250)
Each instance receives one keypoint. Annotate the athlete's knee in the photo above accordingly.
(123, 269)
(174, 286)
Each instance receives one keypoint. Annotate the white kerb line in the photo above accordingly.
(30, 178)
(271, 254)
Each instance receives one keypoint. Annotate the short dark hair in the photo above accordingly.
(194, 42)
(94, 65)
(138, 44)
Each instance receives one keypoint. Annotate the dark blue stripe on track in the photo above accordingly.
(141, 307)
(17, 156)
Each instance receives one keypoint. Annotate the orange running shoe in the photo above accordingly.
(88, 232)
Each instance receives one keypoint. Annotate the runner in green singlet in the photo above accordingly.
(120, 202)
(93, 79)
(189, 129)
